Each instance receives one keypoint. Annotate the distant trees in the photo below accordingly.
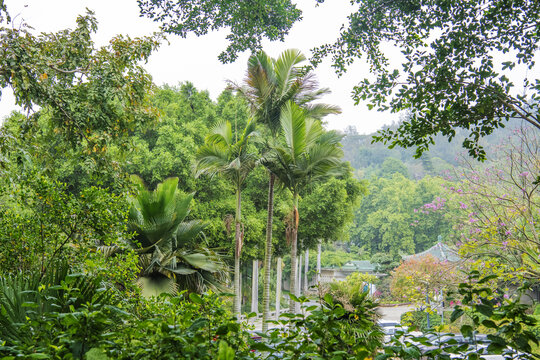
(329, 205)
(389, 218)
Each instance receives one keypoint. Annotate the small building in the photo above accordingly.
(439, 251)
(330, 274)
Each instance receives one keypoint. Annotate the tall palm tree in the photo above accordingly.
(230, 157)
(304, 153)
(268, 86)
(168, 244)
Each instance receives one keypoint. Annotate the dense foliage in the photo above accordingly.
(247, 22)
(456, 67)
(78, 241)
(388, 218)
(457, 58)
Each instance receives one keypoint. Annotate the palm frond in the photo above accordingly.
(286, 68)
(319, 111)
(294, 128)
(188, 232)
(221, 134)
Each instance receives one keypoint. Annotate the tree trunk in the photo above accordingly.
(255, 287)
(293, 287)
(278, 287)
(237, 251)
(318, 263)
(268, 253)
(299, 283)
(306, 269)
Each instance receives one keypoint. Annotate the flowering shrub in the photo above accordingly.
(419, 278)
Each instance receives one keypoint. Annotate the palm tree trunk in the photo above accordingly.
(237, 252)
(293, 288)
(306, 269)
(278, 287)
(268, 254)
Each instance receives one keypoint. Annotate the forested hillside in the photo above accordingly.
(389, 220)
(376, 159)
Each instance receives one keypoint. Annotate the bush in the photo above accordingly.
(65, 315)
(348, 291)
(418, 320)
(327, 331)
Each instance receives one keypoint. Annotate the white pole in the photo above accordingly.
(278, 287)
(306, 269)
(299, 282)
(318, 263)
(255, 287)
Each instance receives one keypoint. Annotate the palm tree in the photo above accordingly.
(168, 245)
(230, 157)
(304, 154)
(268, 86)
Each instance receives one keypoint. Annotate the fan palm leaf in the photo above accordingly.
(167, 242)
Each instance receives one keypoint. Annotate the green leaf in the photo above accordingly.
(456, 314)
(466, 330)
(196, 298)
(484, 309)
(39, 356)
(489, 324)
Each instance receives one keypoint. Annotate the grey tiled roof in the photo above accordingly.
(439, 251)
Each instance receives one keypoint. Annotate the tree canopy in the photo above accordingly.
(455, 73)
(92, 95)
(248, 21)
(457, 57)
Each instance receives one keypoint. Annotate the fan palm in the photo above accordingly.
(304, 153)
(168, 244)
(222, 154)
(268, 86)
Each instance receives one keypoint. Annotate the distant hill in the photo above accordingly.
(376, 159)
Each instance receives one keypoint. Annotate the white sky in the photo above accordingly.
(195, 59)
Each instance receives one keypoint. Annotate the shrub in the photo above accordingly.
(418, 320)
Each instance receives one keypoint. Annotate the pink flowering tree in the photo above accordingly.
(495, 208)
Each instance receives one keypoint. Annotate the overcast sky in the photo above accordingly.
(195, 59)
